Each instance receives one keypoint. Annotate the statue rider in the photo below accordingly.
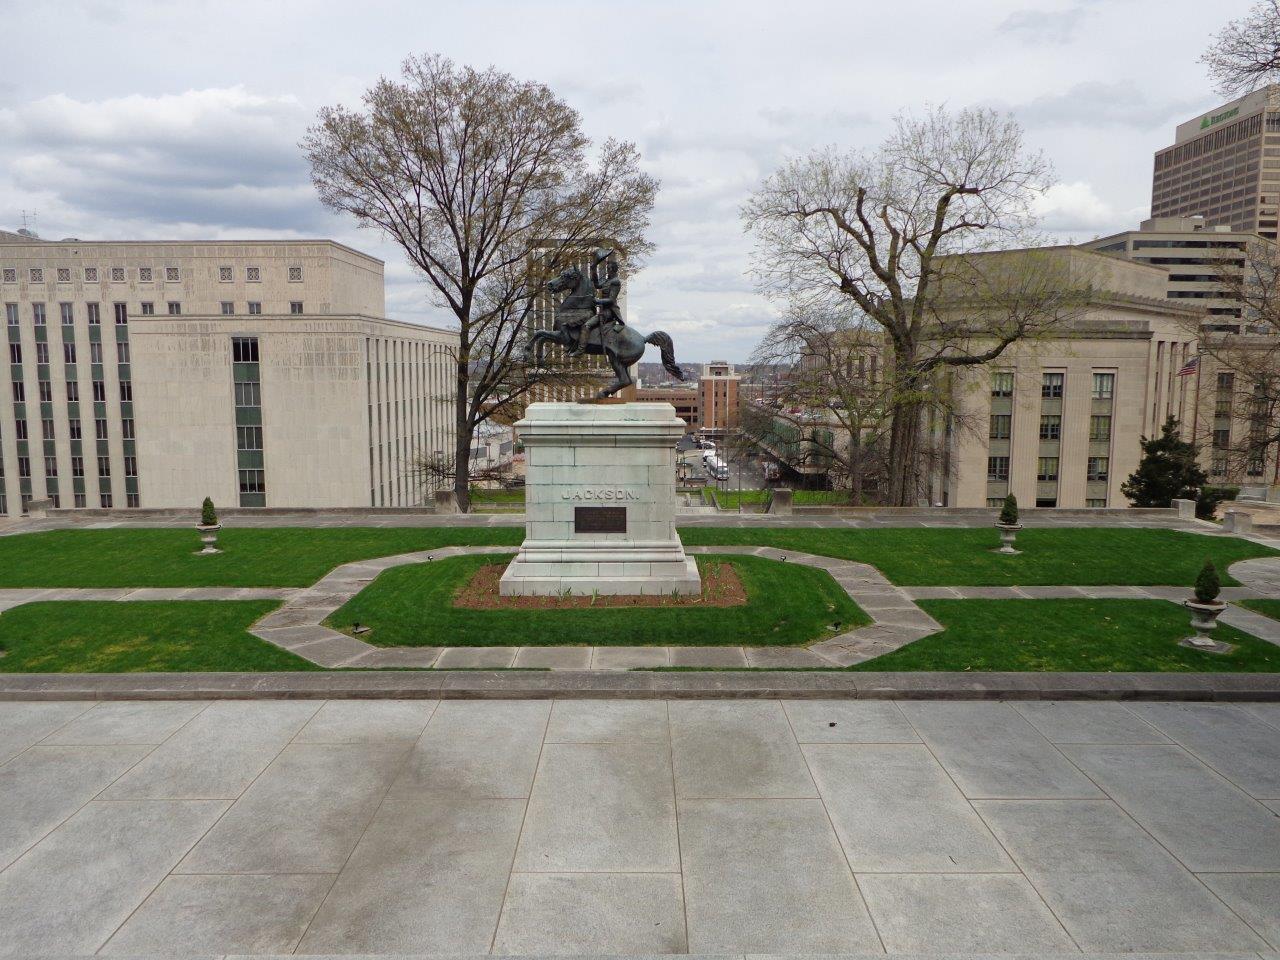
(608, 288)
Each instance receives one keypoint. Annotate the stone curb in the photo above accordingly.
(596, 684)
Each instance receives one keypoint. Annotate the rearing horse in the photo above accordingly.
(622, 345)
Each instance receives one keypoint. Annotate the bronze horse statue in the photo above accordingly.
(622, 345)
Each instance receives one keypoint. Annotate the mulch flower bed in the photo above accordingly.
(721, 587)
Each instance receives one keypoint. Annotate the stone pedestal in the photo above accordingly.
(600, 502)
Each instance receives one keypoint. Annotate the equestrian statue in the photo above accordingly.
(589, 321)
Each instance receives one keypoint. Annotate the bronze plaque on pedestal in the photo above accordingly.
(599, 519)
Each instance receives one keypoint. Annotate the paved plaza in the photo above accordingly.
(184, 829)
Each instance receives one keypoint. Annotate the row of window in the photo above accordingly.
(144, 274)
(69, 352)
(1050, 426)
(1096, 469)
(1051, 384)
(44, 389)
(174, 309)
(74, 429)
(77, 467)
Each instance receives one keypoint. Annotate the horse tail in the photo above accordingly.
(664, 344)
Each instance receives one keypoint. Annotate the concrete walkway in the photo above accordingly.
(182, 829)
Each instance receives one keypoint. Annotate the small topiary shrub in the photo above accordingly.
(208, 516)
(1009, 512)
(1208, 586)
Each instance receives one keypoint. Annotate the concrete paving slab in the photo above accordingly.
(895, 810)
(962, 914)
(368, 721)
(737, 899)
(305, 812)
(848, 721)
(220, 915)
(476, 749)
(630, 658)
(1266, 712)
(476, 658)
(70, 893)
(601, 808)
(608, 721)
(604, 914)
(1074, 721)
(378, 658)
(46, 785)
(1255, 897)
(1112, 886)
(783, 658)
(423, 875)
(128, 723)
(1200, 818)
(736, 749)
(22, 724)
(1238, 744)
(708, 657)
(554, 658)
(991, 751)
(217, 754)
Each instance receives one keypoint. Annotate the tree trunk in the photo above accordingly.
(462, 438)
(904, 452)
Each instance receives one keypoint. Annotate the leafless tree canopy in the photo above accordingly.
(489, 186)
(895, 235)
(1246, 52)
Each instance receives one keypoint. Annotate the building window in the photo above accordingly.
(15, 353)
(148, 309)
(11, 314)
(1001, 423)
(295, 306)
(37, 275)
(248, 395)
(1050, 427)
(24, 468)
(244, 349)
(100, 428)
(175, 308)
(1095, 502)
(1226, 381)
(255, 307)
(95, 317)
(95, 351)
(90, 274)
(126, 428)
(248, 438)
(99, 391)
(228, 308)
(67, 314)
(46, 391)
(1222, 438)
(42, 351)
(1046, 502)
(79, 500)
(1002, 383)
(10, 275)
(46, 428)
(19, 394)
(253, 274)
(130, 466)
(171, 274)
(1051, 386)
(73, 426)
(295, 274)
(1097, 469)
(122, 351)
(117, 274)
(20, 429)
(73, 391)
(51, 467)
(144, 274)
(995, 503)
(64, 274)
(1222, 407)
(1048, 470)
(122, 314)
(68, 353)
(1254, 466)
(1100, 428)
(253, 481)
(105, 500)
(104, 466)
(224, 274)
(77, 466)
(1104, 385)
(132, 500)
(997, 468)
(126, 391)
(37, 314)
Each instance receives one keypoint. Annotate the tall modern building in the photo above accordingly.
(1195, 255)
(259, 373)
(1224, 166)
(719, 409)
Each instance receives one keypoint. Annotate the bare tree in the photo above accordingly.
(1249, 276)
(891, 233)
(1246, 53)
(829, 408)
(485, 182)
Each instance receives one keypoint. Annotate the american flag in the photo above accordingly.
(1190, 367)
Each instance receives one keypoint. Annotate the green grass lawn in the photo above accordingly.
(283, 557)
(963, 556)
(1268, 608)
(298, 556)
(108, 637)
(729, 499)
(1071, 635)
(412, 606)
(498, 499)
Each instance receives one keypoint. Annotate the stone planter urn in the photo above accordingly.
(208, 537)
(1008, 533)
(1204, 617)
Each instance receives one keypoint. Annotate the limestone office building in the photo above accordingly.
(259, 373)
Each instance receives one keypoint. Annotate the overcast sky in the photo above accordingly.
(131, 119)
